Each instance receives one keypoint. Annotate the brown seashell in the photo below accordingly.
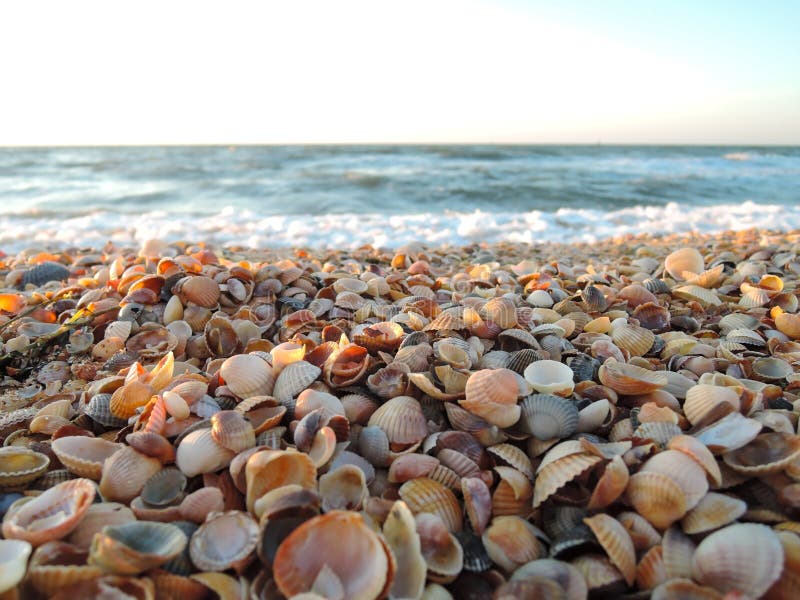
(657, 498)
(650, 571)
(611, 485)
(511, 542)
(712, 512)
(477, 502)
(614, 539)
(514, 457)
(411, 466)
(247, 375)
(315, 546)
(682, 262)
(744, 557)
(346, 366)
(271, 469)
(788, 324)
(124, 474)
(152, 444)
(390, 381)
(633, 339)
(199, 504)
(768, 453)
(698, 452)
(126, 399)
(344, 488)
(512, 496)
(225, 541)
(84, 456)
(426, 495)
(642, 533)
(384, 336)
(232, 431)
(263, 412)
(703, 400)
(199, 290)
(57, 565)
(293, 379)
(560, 472)
(682, 470)
(602, 577)
(52, 515)
(492, 395)
(630, 379)
(652, 316)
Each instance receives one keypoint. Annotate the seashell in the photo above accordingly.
(401, 536)
(767, 454)
(511, 542)
(514, 457)
(152, 343)
(315, 546)
(51, 515)
(657, 498)
(247, 375)
(477, 502)
(686, 260)
(712, 512)
(500, 311)
(424, 495)
(271, 469)
(411, 466)
(152, 444)
(540, 298)
(652, 316)
(698, 452)
(706, 401)
(602, 577)
(310, 400)
(346, 366)
(550, 377)
(512, 496)
(99, 410)
(45, 272)
(594, 416)
(746, 337)
(635, 340)
(684, 588)
(402, 420)
(20, 466)
(293, 379)
(47, 424)
(492, 395)
(263, 412)
(650, 571)
(771, 369)
(729, 433)
(97, 516)
(630, 379)
(564, 574)
(198, 452)
(754, 298)
(199, 290)
(135, 547)
(225, 541)
(344, 488)
(614, 539)
(124, 474)
(126, 399)
(547, 417)
(199, 504)
(593, 299)
(788, 324)
(636, 295)
(642, 533)
(384, 336)
(560, 472)
(164, 488)
(745, 557)
(699, 294)
(611, 485)
(13, 563)
(232, 431)
(84, 456)
(684, 471)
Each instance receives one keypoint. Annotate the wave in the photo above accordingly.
(235, 227)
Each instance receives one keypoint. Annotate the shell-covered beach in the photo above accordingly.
(615, 419)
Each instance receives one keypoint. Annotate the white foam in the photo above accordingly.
(246, 228)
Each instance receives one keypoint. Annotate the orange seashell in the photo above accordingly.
(698, 452)
(200, 290)
(788, 324)
(152, 444)
(263, 412)
(560, 472)
(12, 304)
(682, 470)
(512, 496)
(124, 474)
(126, 399)
(712, 512)
(426, 495)
(492, 395)
(84, 456)
(642, 533)
(614, 539)
(511, 542)
(630, 379)
(271, 469)
(247, 375)
(52, 515)
(611, 485)
(199, 504)
(346, 366)
(402, 420)
(650, 571)
(338, 542)
(232, 431)
(657, 498)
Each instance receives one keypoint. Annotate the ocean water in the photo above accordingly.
(346, 196)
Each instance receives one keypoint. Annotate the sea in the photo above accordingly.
(347, 196)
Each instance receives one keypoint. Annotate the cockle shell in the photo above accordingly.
(492, 395)
(401, 536)
(20, 466)
(546, 416)
(198, 452)
(52, 515)
(713, 511)
(97, 516)
(403, 421)
(684, 471)
(657, 498)
(13, 563)
(344, 488)
(271, 469)
(558, 473)
(293, 379)
(364, 570)
(768, 453)
(614, 539)
(686, 260)
(135, 547)
(550, 377)
(511, 542)
(232, 431)
(630, 379)
(225, 541)
(124, 474)
(745, 557)
(426, 495)
(84, 456)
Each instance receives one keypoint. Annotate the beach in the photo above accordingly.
(481, 420)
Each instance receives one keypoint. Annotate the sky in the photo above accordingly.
(462, 71)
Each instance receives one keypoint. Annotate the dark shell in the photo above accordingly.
(47, 271)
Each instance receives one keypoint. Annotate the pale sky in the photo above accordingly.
(339, 71)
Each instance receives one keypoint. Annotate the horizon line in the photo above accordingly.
(390, 143)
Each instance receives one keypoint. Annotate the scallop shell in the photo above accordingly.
(492, 395)
(225, 541)
(426, 495)
(271, 469)
(344, 488)
(13, 563)
(650, 571)
(95, 518)
(614, 539)
(384, 336)
(712, 512)
(700, 294)
(682, 470)
(698, 452)
(513, 456)
(84, 456)
(164, 488)
(124, 474)
(684, 588)
(52, 515)
(198, 452)
(635, 340)
(477, 502)
(403, 421)
(501, 311)
(768, 453)
(316, 546)
(293, 379)
(642, 533)
(126, 399)
(19, 466)
(683, 261)
(657, 498)
(744, 557)
(232, 431)
(550, 377)
(771, 369)
(511, 542)
(560, 472)
(611, 484)
(199, 290)
(200, 503)
(630, 379)
(135, 547)
(401, 536)
(704, 401)
(263, 412)
(512, 496)
(44, 272)
(547, 417)
(652, 316)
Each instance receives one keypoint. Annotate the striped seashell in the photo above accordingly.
(657, 498)
(513, 493)
(84, 456)
(602, 577)
(400, 532)
(656, 286)
(729, 433)
(384, 336)
(767, 454)
(642, 533)
(698, 452)
(225, 541)
(747, 337)
(650, 571)
(682, 470)
(709, 401)
(788, 324)
(477, 502)
(293, 379)
(560, 472)
(514, 457)
(20, 466)
(734, 321)
(501, 311)
(124, 474)
(614, 539)
(548, 417)
(402, 420)
(132, 548)
(511, 542)
(635, 340)
(126, 399)
(712, 512)
(411, 466)
(611, 484)
(492, 395)
(700, 294)
(247, 375)
(198, 452)
(45, 272)
(199, 290)
(708, 279)
(424, 495)
(271, 469)
(754, 298)
(594, 299)
(630, 379)
(199, 504)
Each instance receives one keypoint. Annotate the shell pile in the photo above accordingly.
(615, 420)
